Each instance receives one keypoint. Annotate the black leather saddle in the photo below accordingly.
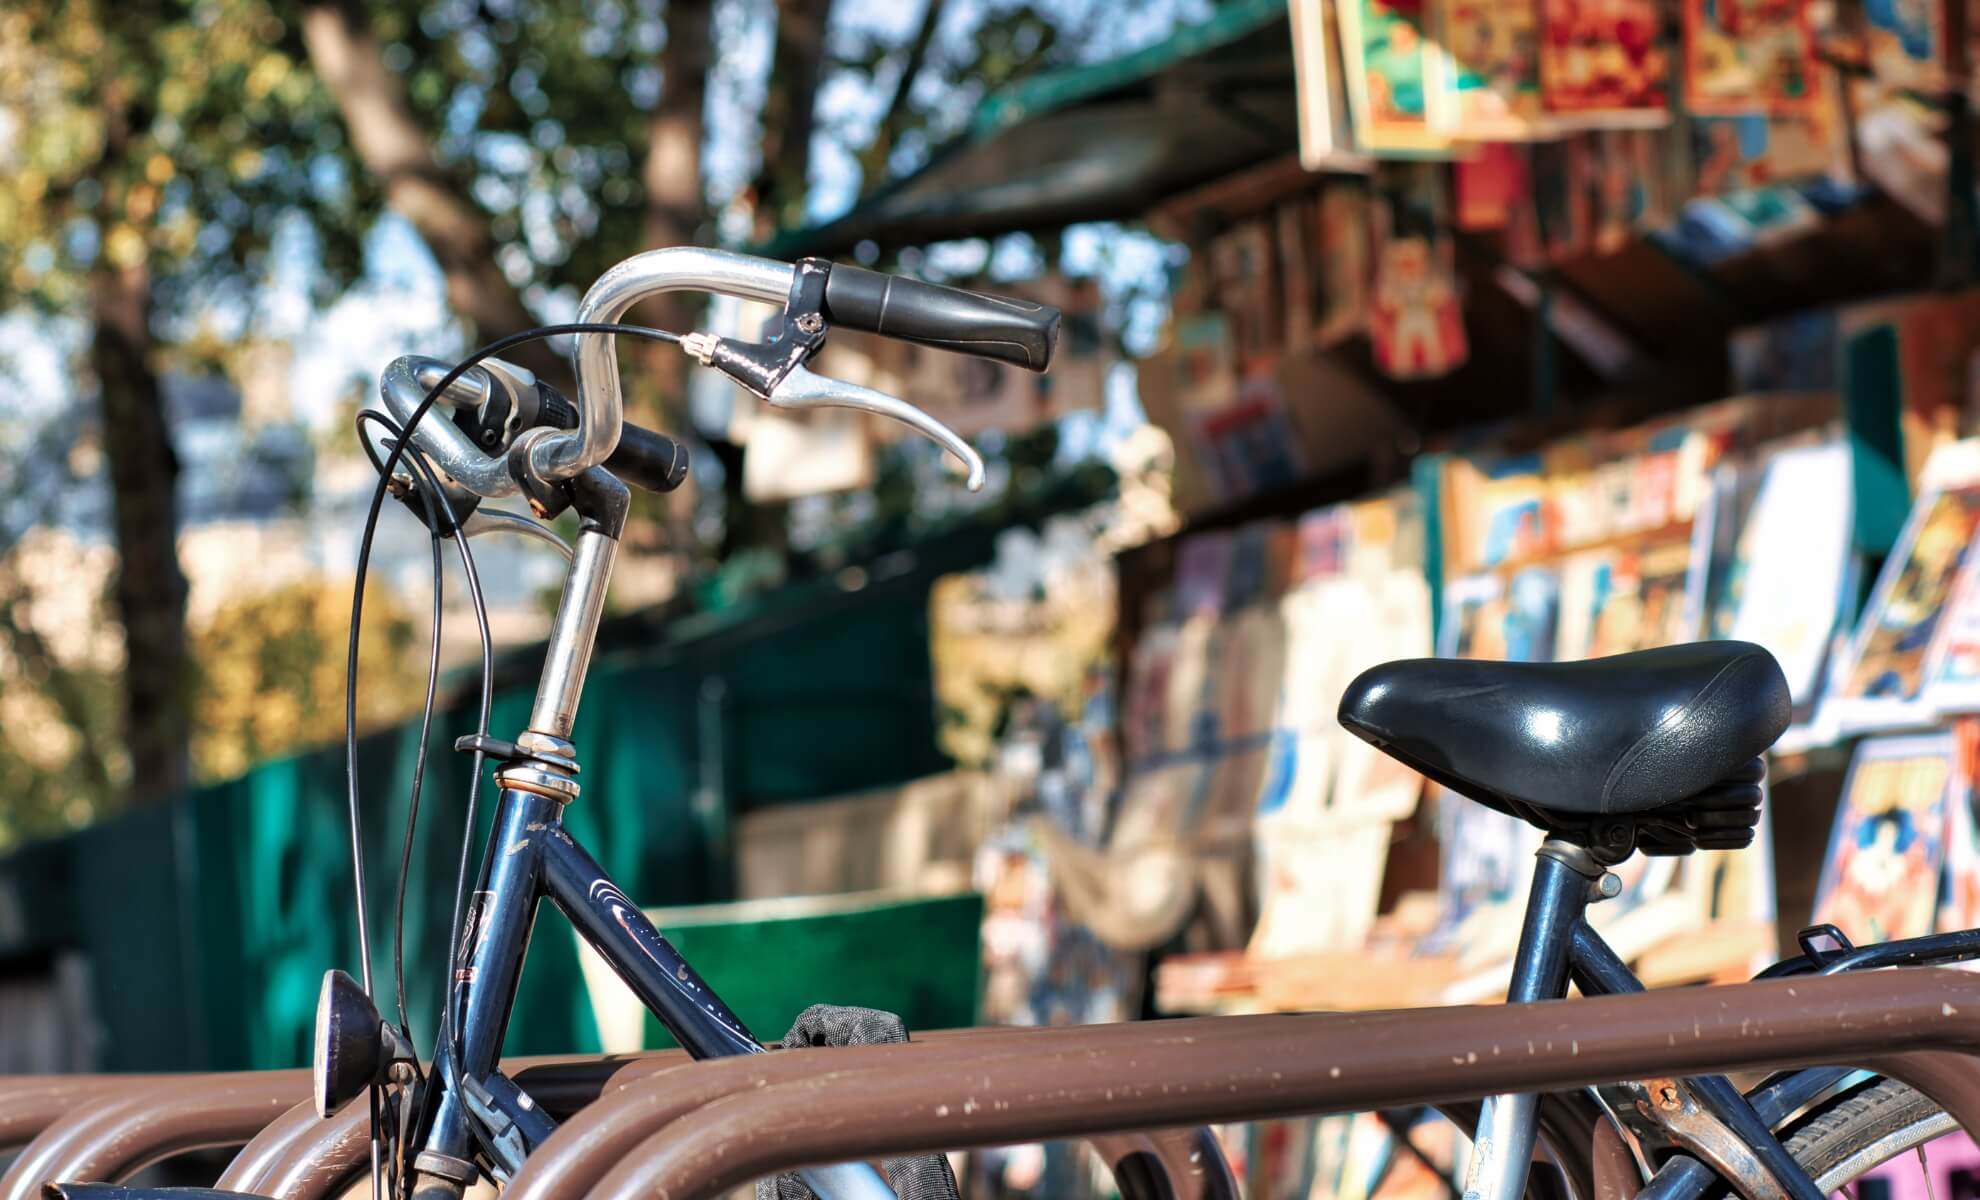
(1658, 750)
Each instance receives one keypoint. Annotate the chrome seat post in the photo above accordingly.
(1566, 877)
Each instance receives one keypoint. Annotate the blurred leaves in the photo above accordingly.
(271, 673)
(221, 131)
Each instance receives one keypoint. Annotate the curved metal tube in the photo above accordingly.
(1073, 1080)
(596, 1138)
(126, 1129)
(676, 268)
(404, 385)
(301, 1156)
(494, 520)
(31, 1103)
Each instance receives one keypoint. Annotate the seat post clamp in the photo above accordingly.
(1577, 858)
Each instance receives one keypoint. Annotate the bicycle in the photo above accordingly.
(511, 434)
(1657, 751)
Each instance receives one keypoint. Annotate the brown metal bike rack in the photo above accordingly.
(102, 1128)
(879, 1100)
(30, 1103)
(120, 1129)
(301, 1156)
(591, 1142)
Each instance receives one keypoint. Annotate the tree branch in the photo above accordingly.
(893, 122)
(388, 139)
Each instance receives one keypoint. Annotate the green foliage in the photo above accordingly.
(173, 135)
(543, 110)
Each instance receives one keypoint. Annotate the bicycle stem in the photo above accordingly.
(573, 634)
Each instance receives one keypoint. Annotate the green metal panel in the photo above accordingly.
(1228, 22)
(208, 922)
(918, 958)
(1873, 410)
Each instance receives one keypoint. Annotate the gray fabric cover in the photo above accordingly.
(919, 1177)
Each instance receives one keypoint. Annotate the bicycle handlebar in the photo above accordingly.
(1007, 330)
(1018, 332)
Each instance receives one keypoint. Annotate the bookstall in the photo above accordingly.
(1539, 330)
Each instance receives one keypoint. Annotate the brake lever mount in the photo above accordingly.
(774, 369)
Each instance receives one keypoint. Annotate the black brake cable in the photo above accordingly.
(448, 1028)
(437, 506)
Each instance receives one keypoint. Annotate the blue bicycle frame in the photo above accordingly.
(532, 857)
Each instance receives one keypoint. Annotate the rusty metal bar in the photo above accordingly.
(122, 1129)
(1071, 1081)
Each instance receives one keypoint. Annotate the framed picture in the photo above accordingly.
(1603, 62)
(1748, 56)
(1883, 675)
(1390, 71)
(1907, 43)
(1487, 59)
(1784, 585)
(1880, 878)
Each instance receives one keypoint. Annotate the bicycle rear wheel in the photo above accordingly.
(1863, 1127)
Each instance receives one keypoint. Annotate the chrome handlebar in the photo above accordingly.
(555, 454)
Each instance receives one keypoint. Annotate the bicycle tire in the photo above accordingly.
(1861, 1128)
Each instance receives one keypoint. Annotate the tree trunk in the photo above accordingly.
(676, 204)
(150, 588)
(396, 151)
(790, 112)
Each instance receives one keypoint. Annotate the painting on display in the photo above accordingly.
(1785, 583)
(1326, 137)
(1883, 674)
(1613, 601)
(1880, 878)
(1416, 323)
(1205, 361)
(1603, 61)
(1389, 58)
(1959, 901)
(1487, 82)
(1514, 619)
(1748, 56)
(1907, 43)
(1737, 152)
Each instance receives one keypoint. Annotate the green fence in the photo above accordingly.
(207, 923)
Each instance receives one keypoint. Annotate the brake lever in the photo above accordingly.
(800, 390)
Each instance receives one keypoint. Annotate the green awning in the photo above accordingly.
(1106, 141)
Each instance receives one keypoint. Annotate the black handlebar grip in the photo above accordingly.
(1018, 332)
(649, 460)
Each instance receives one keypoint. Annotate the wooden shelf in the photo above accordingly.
(1670, 531)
